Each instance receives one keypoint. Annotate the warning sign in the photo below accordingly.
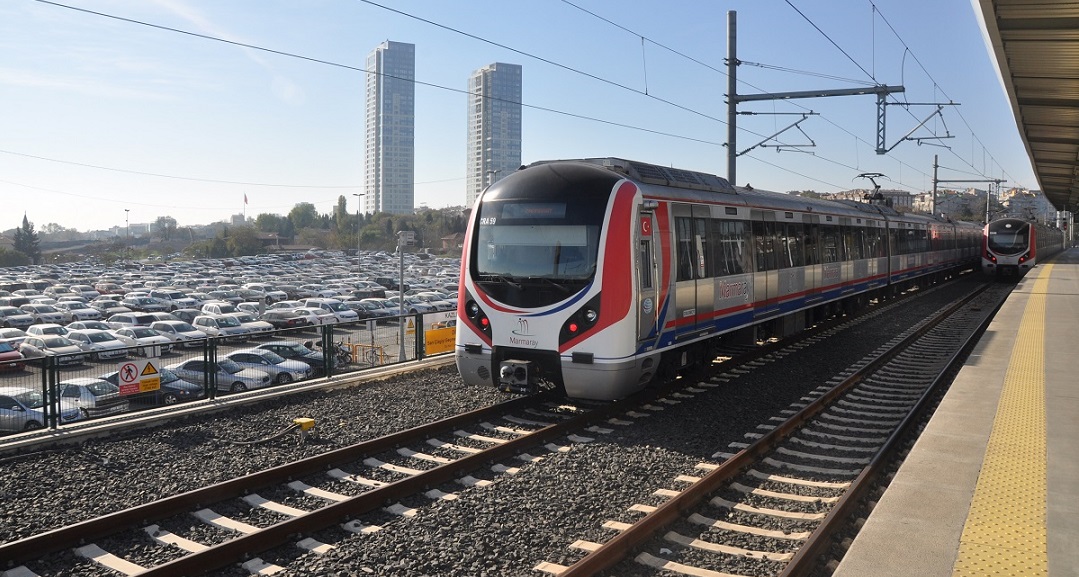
(138, 376)
(410, 327)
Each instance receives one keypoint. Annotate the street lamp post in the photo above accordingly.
(127, 236)
(358, 195)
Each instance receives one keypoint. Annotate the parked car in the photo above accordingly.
(219, 308)
(65, 351)
(96, 397)
(13, 336)
(280, 369)
(10, 357)
(252, 323)
(100, 344)
(42, 329)
(186, 315)
(13, 317)
(173, 298)
(173, 389)
(79, 325)
(109, 307)
(144, 304)
(150, 343)
(340, 312)
(77, 311)
(285, 319)
(85, 291)
(22, 408)
(43, 313)
(182, 333)
(131, 319)
(297, 352)
(221, 326)
(315, 316)
(230, 376)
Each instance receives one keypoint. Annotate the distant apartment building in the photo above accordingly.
(494, 126)
(390, 136)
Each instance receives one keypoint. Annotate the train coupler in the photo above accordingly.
(516, 377)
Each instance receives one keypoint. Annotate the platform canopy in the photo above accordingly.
(1036, 48)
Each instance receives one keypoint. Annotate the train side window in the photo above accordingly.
(705, 268)
(792, 239)
(686, 250)
(646, 264)
(812, 244)
(728, 247)
(829, 241)
(764, 240)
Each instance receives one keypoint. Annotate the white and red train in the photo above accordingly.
(598, 275)
(1012, 246)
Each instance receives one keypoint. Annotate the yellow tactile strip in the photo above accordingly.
(1005, 531)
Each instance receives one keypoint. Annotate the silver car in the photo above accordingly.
(96, 397)
(100, 344)
(23, 409)
(230, 375)
(280, 369)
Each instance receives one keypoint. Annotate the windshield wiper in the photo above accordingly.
(557, 285)
(501, 278)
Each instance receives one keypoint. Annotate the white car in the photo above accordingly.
(13, 317)
(100, 344)
(316, 316)
(180, 332)
(77, 311)
(43, 329)
(149, 342)
(221, 326)
(251, 322)
(340, 312)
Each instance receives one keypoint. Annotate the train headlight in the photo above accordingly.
(473, 309)
(579, 322)
(477, 317)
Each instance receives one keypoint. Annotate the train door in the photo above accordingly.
(689, 267)
(647, 277)
(766, 274)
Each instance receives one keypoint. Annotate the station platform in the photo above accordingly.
(992, 485)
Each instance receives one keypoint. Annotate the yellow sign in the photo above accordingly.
(439, 340)
(410, 328)
(148, 369)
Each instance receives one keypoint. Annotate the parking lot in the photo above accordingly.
(331, 299)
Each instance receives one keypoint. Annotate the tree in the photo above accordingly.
(165, 227)
(26, 241)
(12, 258)
(244, 240)
(303, 215)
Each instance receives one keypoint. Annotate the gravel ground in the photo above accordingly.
(503, 530)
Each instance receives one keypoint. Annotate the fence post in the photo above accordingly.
(328, 352)
(48, 390)
(420, 329)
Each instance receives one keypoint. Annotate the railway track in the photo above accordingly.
(771, 506)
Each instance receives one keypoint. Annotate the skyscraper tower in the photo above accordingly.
(390, 139)
(494, 126)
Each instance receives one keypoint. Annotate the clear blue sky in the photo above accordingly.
(89, 101)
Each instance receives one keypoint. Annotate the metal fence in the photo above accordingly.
(57, 390)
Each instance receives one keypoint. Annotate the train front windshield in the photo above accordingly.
(1009, 237)
(522, 240)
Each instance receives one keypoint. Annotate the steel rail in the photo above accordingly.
(619, 547)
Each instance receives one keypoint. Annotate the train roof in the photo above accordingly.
(703, 186)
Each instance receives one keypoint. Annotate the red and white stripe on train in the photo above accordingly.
(599, 276)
